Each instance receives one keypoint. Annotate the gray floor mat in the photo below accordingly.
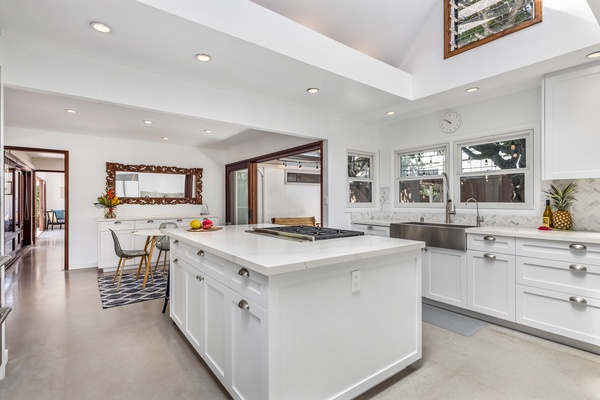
(452, 321)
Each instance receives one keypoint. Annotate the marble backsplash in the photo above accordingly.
(585, 211)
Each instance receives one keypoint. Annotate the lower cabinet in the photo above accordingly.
(491, 284)
(225, 328)
(445, 276)
(372, 229)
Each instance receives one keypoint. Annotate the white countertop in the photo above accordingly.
(271, 256)
(534, 233)
(147, 217)
(376, 222)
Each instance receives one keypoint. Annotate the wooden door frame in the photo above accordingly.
(65, 171)
(251, 164)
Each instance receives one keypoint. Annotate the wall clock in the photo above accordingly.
(450, 122)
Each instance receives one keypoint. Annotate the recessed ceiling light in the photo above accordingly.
(203, 57)
(147, 121)
(165, 138)
(207, 131)
(100, 27)
(472, 89)
(391, 113)
(595, 54)
(312, 90)
(71, 111)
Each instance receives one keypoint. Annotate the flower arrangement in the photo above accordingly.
(109, 201)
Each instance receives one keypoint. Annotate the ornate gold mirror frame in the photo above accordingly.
(192, 190)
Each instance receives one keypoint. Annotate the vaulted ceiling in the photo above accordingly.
(367, 58)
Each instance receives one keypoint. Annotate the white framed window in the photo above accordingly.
(360, 179)
(418, 176)
(497, 171)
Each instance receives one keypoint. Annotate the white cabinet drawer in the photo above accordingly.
(148, 223)
(181, 222)
(559, 313)
(493, 243)
(117, 225)
(573, 252)
(376, 230)
(559, 275)
(246, 282)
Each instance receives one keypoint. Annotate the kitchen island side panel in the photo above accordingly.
(327, 342)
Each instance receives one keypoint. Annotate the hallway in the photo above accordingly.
(63, 345)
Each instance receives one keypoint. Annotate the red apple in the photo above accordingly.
(207, 224)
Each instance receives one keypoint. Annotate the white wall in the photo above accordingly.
(87, 174)
(54, 182)
(286, 200)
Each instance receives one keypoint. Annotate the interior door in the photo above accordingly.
(240, 181)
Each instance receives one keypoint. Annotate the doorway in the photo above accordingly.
(45, 188)
(248, 195)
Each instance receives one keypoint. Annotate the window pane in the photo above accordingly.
(509, 188)
(422, 164)
(421, 191)
(360, 192)
(359, 167)
(495, 156)
(478, 19)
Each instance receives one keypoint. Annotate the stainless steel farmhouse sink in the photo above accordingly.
(446, 236)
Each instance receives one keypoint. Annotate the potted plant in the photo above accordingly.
(562, 197)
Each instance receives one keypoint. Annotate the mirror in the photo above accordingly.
(150, 184)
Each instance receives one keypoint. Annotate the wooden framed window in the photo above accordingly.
(471, 23)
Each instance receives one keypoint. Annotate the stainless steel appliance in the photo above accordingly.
(304, 233)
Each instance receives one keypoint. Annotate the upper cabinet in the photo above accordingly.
(571, 128)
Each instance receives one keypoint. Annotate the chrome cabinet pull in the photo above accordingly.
(199, 277)
(490, 256)
(176, 261)
(244, 272)
(175, 242)
(117, 222)
(489, 238)
(179, 220)
(150, 221)
(577, 246)
(578, 268)
(200, 253)
(370, 227)
(577, 299)
(243, 304)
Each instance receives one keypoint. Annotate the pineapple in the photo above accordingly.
(562, 198)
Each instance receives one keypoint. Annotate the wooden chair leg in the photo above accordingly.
(121, 274)
(117, 271)
(140, 267)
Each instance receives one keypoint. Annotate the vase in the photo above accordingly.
(110, 212)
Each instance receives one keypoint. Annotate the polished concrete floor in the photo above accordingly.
(63, 345)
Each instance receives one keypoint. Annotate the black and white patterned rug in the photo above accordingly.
(131, 289)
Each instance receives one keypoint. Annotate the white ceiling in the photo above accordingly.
(149, 39)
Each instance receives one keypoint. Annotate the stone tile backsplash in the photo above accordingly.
(585, 211)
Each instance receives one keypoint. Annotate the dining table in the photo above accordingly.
(151, 235)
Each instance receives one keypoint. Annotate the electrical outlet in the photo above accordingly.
(355, 281)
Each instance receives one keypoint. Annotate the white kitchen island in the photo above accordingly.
(278, 319)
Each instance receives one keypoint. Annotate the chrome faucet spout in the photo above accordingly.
(449, 206)
(479, 219)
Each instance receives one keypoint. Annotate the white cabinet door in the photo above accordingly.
(177, 293)
(491, 283)
(215, 311)
(194, 291)
(570, 139)
(445, 276)
(248, 348)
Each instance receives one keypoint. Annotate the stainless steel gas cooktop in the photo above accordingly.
(304, 233)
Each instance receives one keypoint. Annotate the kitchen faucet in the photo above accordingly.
(479, 219)
(449, 206)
